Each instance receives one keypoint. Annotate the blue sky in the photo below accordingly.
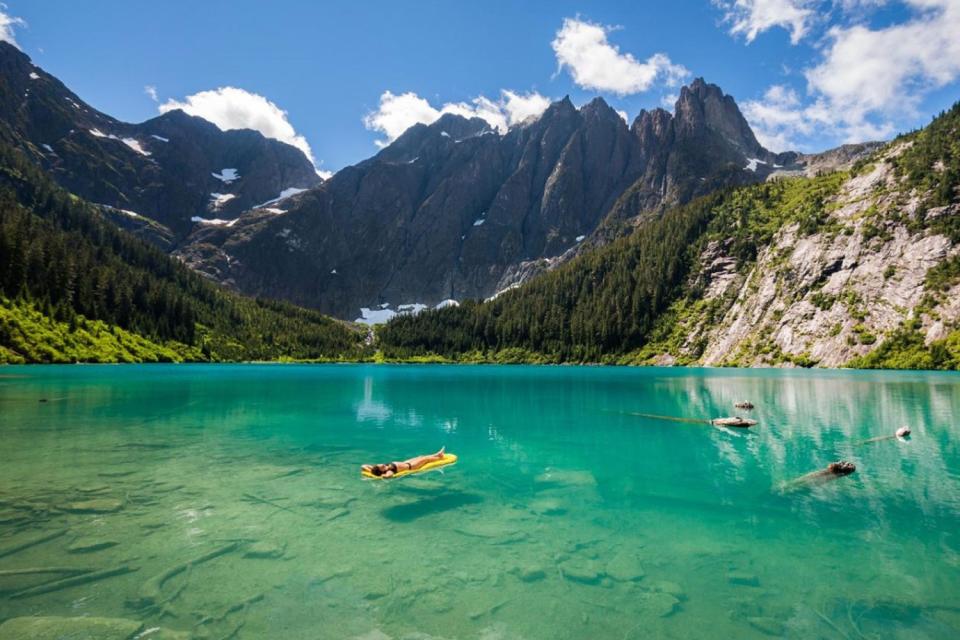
(809, 74)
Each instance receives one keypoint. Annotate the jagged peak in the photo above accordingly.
(599, 108)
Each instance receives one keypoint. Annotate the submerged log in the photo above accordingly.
(74, 581)
(38, 570)
(45, 537)
(152, 590)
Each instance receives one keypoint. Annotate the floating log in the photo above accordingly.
(151, 591)
(74, 581)
(46, 537)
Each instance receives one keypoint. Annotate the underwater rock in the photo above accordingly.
(658, 604)
(265, 550)
(625, 567)
(548, 507)
(96, 505)
(665, 586)
(743, 579)
(769, 626)
(58, 628)
(89, 545)
(567, 478)
(582, 571)
(529, 573)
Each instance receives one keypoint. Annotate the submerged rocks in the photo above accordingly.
(548, 507)
(529, 573)
(769, 626)
(625, 567)
(59, 628)
(658, 604)
(582, 571)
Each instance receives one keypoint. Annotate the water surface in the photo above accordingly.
(568, 516)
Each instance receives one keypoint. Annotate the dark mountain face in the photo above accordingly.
(455, 210)
(169, 169)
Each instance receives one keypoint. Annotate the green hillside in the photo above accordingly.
(73, 287)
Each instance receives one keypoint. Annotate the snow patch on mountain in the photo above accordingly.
(215, 222)
(217, 200)
(226, 175)
(286, 193)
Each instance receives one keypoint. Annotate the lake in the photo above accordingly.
(225, 501)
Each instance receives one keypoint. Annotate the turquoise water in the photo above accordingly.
(567, 515)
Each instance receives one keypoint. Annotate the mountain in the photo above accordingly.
(74, 287)
(455, 210)
(171, 171)
(857, 267)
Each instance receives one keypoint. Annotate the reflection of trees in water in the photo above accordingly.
(579, 419)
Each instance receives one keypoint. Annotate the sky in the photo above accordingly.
(341, 79)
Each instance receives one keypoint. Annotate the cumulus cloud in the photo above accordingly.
(866, 80)
(151, 91)
(582, 48)
(399, 112)
(7, 25)
(233, 108)
(750, 18)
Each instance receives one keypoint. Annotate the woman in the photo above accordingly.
(387, 470)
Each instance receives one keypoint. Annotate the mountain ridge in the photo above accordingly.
(174, 169)
(455, 210)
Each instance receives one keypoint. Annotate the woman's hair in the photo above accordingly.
(376, 470)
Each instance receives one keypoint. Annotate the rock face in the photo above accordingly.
(455, 210)
(169, 169)
(825, 298)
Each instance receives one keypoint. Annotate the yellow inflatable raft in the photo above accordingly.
(447, 459)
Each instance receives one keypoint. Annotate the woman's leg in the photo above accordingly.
(419, 461)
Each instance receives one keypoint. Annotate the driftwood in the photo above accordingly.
(151, 591)
(46, 537)
(74, 581)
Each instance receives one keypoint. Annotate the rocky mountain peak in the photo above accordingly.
(704, 107)
(598, 109)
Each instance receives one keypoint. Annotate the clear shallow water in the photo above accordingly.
(566, 517)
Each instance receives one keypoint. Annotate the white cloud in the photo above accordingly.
(233, 108)
(752, 17)
(888, 70)
(623, 114)
(7, 25)
(582, 48)
(323, 173)
(397, 113)
(867, 79)
(151, 91)
(520, 107)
